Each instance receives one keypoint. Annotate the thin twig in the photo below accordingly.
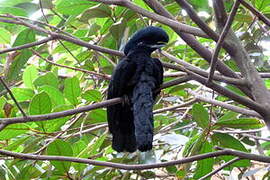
(103, 76)
(86, 131)
(13, 97)
(221, 40)
(192, 101)
(36, 43)
(60, 134)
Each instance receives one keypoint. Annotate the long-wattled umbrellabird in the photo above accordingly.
(136, 77)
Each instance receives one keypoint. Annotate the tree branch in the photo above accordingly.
(203, 73)
(226, 106)
(43, 41)
(169, 22)
(194, 16)
(242, 155)
(221, 40)
(240, 99)
(258, 89)
(35, 118)
(195, 45)
(44, 117)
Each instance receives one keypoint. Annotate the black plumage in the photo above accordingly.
(137, 77)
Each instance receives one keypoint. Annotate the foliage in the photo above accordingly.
(41, 87)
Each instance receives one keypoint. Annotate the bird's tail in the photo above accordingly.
(143, 112)
(122, 128)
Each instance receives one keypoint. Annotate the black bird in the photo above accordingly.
(136, 77)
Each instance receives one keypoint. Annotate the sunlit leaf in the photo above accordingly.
(29, 75)
(72, 7)
(200, 115)
(60, 148)
(72, 90)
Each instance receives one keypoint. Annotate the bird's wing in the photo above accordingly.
(121, 77)
(120, 117)
(158, 74)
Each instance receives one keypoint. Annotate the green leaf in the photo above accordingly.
(13, 146)
(47, 79)
(72, 90)
(148, 175)
(92, 95)
(142, 4)
(22, 94)
(204, 166)
(98, 11)
(200, 5)
(24, 37)
(243, 18)
(261, 4)
(97, 116)
(40, 104)
(181, 174)
(29, 75)
(56, 124)
(12, 131)
(171, 169)
(228, 115)
(60, 148)
(5, 36)
(228, 141)
(241, 123)
(235, 90)
(117, 29)
(13, 10)
(61, 48)
(96, 143)
(72, 7)
(2, 102)
(200, 115)
(181, 87)
(47, 4)
(9, 3)
(55, 95)
(18, 63)
(79, 149)
(191, 144)
(28, 172)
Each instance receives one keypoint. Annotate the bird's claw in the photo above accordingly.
(125, 100)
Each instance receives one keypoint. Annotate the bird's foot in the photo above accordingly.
(125, 100)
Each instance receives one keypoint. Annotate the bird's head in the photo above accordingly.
(149, 39)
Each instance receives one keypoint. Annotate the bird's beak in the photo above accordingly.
(158, 45)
